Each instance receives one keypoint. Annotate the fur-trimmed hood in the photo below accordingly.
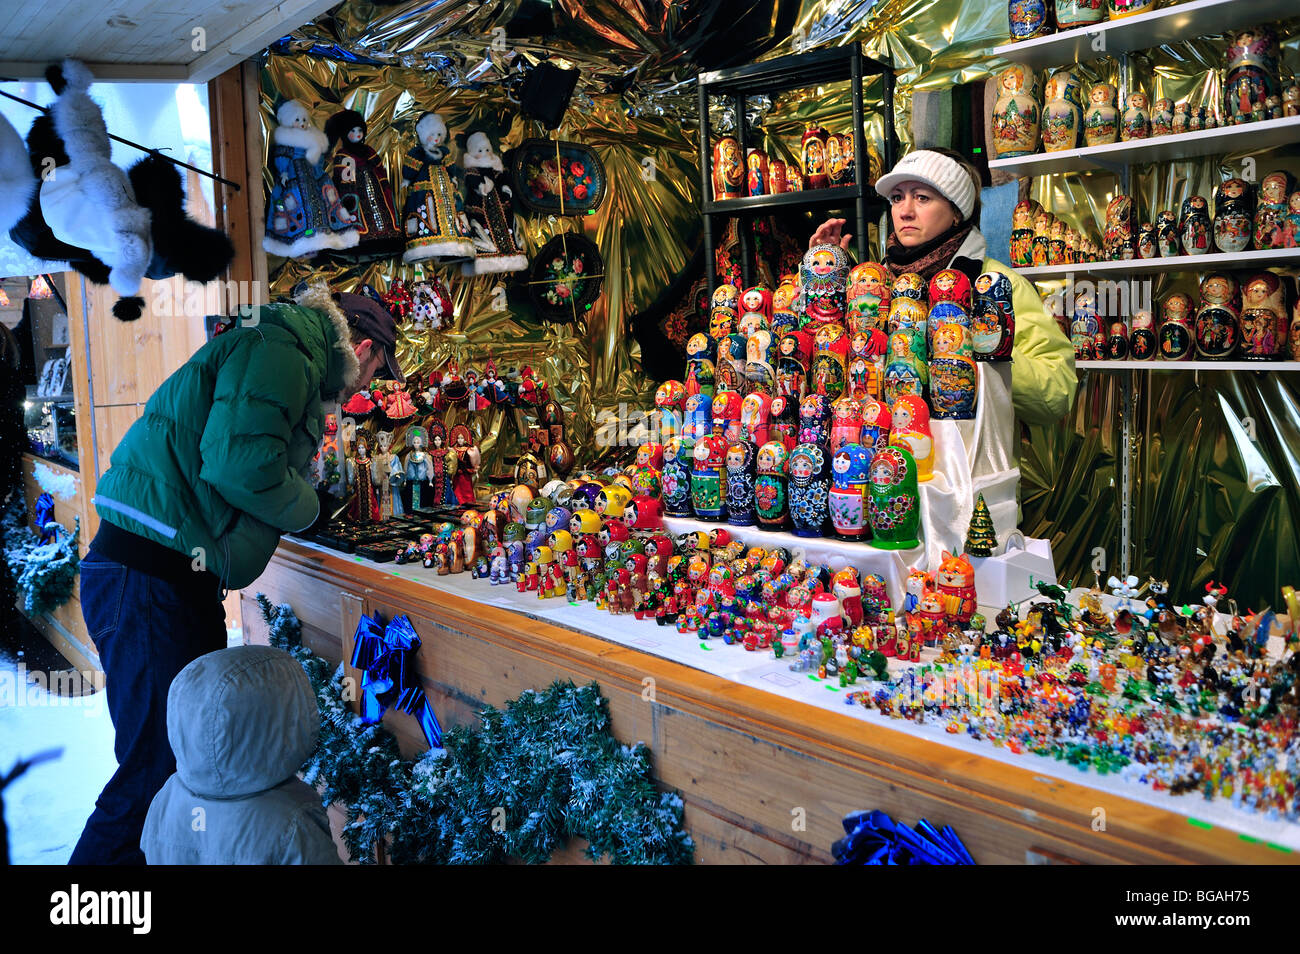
(319, 297)
(311, 140)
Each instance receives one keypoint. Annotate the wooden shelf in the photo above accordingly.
(1248, 137)
(1142, 32)
(1235, 261)
(1158, 365)
(839, 195)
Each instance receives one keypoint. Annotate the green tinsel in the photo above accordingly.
(44, 573)
(543, 769)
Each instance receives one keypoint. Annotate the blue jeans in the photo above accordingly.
(146, 631)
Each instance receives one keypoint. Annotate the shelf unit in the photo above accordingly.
(1227, 261)
(1121, 38)
(1141, 32)
(779, 75)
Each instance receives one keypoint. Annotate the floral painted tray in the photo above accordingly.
(566, 277)
(570, 183)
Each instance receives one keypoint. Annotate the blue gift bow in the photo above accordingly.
(382, 654)
(43, 516)
(873, 838)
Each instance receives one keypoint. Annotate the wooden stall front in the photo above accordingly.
(765, 779)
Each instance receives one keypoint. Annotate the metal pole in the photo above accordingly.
(706, 185)
(743, 223)
(1127, 398)
(859, 151)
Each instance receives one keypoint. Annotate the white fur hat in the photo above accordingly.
(937, 171)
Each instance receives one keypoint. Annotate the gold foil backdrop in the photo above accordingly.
(1213, 498)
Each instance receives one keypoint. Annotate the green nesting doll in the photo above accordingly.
(893, 505)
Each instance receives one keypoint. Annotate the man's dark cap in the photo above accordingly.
(375, 322)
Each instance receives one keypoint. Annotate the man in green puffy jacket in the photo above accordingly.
(193, 504)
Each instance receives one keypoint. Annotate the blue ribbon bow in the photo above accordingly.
(386, 658)
(43, 517)
(873, 838)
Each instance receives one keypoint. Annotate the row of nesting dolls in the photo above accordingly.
(323, 198)
(1039, 238)
(827, 472)
(828, 159)
(1030, 19)
(1249, 320)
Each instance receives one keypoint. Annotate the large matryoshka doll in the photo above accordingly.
(1218, 317)
(1084, 326)
(823, 277)
(893, 502)
(784, 425)
(740, 484)
(809, 488)
(906, 370)
(953, 374)
(830, 364)
(676, 476)
(846, 422)
(760, 353)
(949, 284)
(909, 427)
(709, 477)
(724, 310)
(771, 493)
(785, 318)
(726, 414)
(867, 363)
(755, 418)
(670, 402)
(814, 419)
(875, 424)
(755, 310)
(867, 297)
(731, 363)
(816, 175)
(700, 370)
(1264, 317)
(847, 498)
(793, 359)
(699, 416)
(993, 324)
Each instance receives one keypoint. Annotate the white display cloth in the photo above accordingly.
(759, 670)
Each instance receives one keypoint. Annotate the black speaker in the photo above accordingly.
(546, 93)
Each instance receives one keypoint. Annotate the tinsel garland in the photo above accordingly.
(543, 769)
(44, 573)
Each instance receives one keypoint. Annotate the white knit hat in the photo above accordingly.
(937, 171)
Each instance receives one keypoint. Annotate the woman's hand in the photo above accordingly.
(830, 232)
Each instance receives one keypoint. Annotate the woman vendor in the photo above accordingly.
(934, 206)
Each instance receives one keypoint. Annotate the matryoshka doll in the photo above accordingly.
(1217, 332)
(867, 363)
(1194, 226)
(670, 399)
(1022, 233)
(1293, 336)
(1016, 113)
(906, 369)
(760, 352)
(699, 416)
(700, 370)
(814, 419)
(1062, 112)
(993, 324)
(1084, 326)
(1041, 248)
(1119, 9)
(1142, 336)
(756, 180)
(1136, 121)
(1101, 118)
(724, 310)
(709, 477)
(755, 418)
(830, 363)
(794, 356)
(1264, 321)
(679, 455)
(875, 424)
(1121, 244)
(1117, 341)
(910, 427)
(847, 498)
(730, 370)
(1271, 213)
(1234, 215)
(1162, 117)
(778, 177)
(726, 414)
(785, 421)
(1175, 328)
(953, 375)
(846, 422)
(809, 487)
(740, 484)
(823, 278)
(755, 310)
(949, 284)
(1056, 243)
(815, 173)
(784, 317)
(893, 503)
(836, 167)
(867, 296)
(1168, 240)
(1146, 241)
(771, 496)
(1252, 67)
(907, 313)
(728, 169)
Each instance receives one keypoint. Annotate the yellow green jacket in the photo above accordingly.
(1043, 378)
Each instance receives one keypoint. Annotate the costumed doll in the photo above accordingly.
(740, 484)
(468, 459)
(442, 467)
(363, 185)
(304, 214)
(433, 216)
(419, 469)
(365, 504)
(388, 476)
(488, 200)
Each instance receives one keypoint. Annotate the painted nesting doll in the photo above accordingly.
(953, 374)
(1271, 212)
(709, 477)
(909, 427)
(726, 414)
(906, 370)
(1194, 225)
(433, 214)
(867, 363)
(701, 372)
(363, 186)
(699, 416)
(867, 295)
(784, 317)
(756, 167)
(760, 352)
(771, 495)
(794, 357)
(1252, 61)
(823, 278)
(829, 372)
(1084, 326)
(724, 310)
(848, 492)
(784, 425)
(728, 169)
(875, 424)
(755, 310)
(1217, 331)
(809, 488)
(740, 484)
(1029, 19)
(950, 285)
(1101, 119)
(893, 503)
(1142, 336)
(846, 422)
(814, 419)
(816, 175)
(679, 454)
(1176, 339)
(730, 373)
(993, 322)
(670, 401)
(1234, 215)
(907, 313)
(1121, 229)
(755, 418)
(1022, 233)
(1168, 240)
(1062, 112)
(1264, 319)
(1016, 113)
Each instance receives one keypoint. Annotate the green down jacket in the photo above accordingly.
(215, 468)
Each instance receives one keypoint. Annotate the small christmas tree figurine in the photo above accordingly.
(980, 538)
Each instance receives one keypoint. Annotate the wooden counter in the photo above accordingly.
(750, 765)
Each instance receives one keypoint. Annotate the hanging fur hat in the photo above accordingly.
(17, 181)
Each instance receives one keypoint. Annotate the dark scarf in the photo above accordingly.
(933, 256)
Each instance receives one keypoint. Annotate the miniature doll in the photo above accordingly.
(491, 215)
(365, 503)
(418, 469)
(363, 186)
(304, 214)
(388, 476)
(442, 467)
(433, 215)
(468, 459)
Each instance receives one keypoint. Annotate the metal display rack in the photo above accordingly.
(776, 76)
